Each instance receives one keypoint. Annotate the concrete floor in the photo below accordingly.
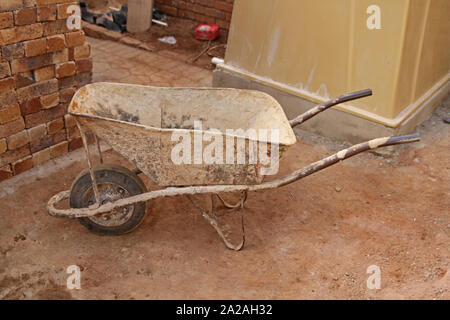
(312, 239)
(116, 62)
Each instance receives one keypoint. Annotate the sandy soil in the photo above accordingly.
(312, 239)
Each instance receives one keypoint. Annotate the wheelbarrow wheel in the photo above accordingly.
(114, 183)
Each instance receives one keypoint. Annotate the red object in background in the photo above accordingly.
(207, 32)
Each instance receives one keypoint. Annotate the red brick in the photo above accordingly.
(182, 5)
(3, 145)
(65, 69)
(59, 149)
(37, 133)
(18, 140)
(8, 98)
(188, 14)
(22, 165)
(29, 3)
(198, 9)
(84, 65)
(71, 54)
(31, 106)
(13, 51)
(77, 80)
(24, 79)
(35, 47)
(7, 84)
(75, 144)
(41, 156)
(205, 19)
(50, 101)
(169, 10)
(6, 20)
(223, 24)
(21, 33)
(31, 63)
(37, 89)
(74, 39)
(73, 133)
(55, 27)
(12, 127)
(215, 13)
(65, 95)
(205, 3)
(5, 172)
(61, 56)
(5, 71)
(6, 5)
(11, 156)
(7, 36)
(56, 43)
(62, 10)
(47, 141)
(223, 6)
(47, 13)
(69, 121)
(44, 116)
(55, 126)
(9, 114)
(45, 73)
(25, 16)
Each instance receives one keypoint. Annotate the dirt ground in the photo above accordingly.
(187, 49)
(309, 240)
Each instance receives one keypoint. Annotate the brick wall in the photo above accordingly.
(201, 11)
(42, 63)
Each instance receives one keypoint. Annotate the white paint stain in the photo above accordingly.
(341, 154)
(310, 78)
(273, 46)
(299, 85)
(323, 91)
(373, 144)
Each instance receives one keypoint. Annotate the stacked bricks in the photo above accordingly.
(201, 11)
(42, 64)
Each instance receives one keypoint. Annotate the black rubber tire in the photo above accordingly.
(113, 174)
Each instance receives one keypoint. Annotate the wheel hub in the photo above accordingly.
(109, 192)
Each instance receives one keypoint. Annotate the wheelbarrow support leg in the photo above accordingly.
(97, 143)
(91, 169)
(213, 222)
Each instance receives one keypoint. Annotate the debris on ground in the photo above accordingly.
(207, 50)
(168, 40)
(116, 18)
(207, 32)
(159, 15)
(187, 47)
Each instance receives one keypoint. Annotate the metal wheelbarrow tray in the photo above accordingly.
(146, 124)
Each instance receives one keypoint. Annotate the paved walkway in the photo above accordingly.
(117, 62)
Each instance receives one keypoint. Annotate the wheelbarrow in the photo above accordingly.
(167, 134)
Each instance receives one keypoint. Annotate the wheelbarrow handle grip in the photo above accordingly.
(330, 103)
(355, 95)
